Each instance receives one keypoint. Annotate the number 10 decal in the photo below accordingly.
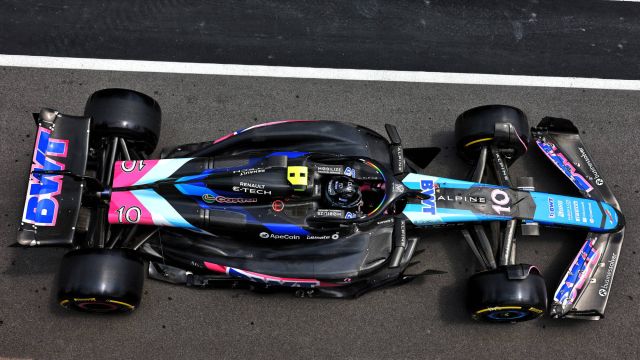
(130, 215)
(500, 198)
(129, 166)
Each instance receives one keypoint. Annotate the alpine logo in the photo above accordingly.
(41, 206)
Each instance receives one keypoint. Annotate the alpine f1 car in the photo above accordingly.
(324, 208)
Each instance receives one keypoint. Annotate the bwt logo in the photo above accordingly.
(565, 165)
(552, 208)
(41, 205)
(428, 205)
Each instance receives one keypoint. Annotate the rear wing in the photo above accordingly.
(585, 287)
(53, 201)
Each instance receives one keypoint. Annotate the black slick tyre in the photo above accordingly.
(511, 293)
(476, 128)
(128, 114)
(101, 280)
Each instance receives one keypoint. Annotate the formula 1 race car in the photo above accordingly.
(324, 208)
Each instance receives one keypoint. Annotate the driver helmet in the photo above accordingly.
(343, 192)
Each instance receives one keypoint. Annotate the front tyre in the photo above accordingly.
(101, 280)
(476, 128)
(512, 293)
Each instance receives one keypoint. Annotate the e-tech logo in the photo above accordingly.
(41, 205)
(251, 190)
(428, 205)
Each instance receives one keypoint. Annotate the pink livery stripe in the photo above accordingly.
(142, 172)
(125, 208)
(127, 173)
(255, 127)
(267, 279)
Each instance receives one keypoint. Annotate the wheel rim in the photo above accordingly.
(507, 315)
(97, 306)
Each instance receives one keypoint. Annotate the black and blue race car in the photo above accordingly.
(322, 208)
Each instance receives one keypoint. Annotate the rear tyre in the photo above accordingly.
(124, 113)
(101, 280)
(476, 128)
(495, 297)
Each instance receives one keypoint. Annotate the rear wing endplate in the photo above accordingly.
(53, 201)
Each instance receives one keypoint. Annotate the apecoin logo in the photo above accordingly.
(602, 292)
(264, 235)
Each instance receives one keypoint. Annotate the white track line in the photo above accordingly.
(314, 73)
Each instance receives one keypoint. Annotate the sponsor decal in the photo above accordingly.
(592, 168)
(41, 205)
(611, 267)
(349, 215)
(277, 205)
(331, 170)
(251, 185)
(330, 213)
(581, 269)
(245, 172)
(251, 190)
(210, 199)
(350, 172)
(502, 167)
(551, 151)
(323, 237)
(385, 222)
(560, 209)
(427, 187)
(552, 208)
(266, 235)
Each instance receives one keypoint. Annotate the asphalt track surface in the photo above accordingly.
(583, 38)
(423, 320)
